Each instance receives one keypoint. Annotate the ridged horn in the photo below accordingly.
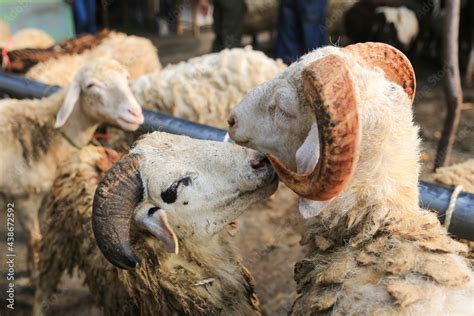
(394, 63)
(328, 87)
(115, 199)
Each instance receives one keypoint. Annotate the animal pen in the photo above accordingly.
(147, 171)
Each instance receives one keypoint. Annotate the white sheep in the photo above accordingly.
(27, 38)
(36, 135)
(161, 212)
(136, 54)
(205, 89)
(342, 118)
(24, 38)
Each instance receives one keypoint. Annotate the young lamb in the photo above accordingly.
(205, 89)
(136, 54)
(373, 250)
(170, 200)
(36, 135)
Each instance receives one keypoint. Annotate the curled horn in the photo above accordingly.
(394, 63)
(328, 87)
(115, 199)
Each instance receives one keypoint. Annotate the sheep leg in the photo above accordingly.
(28, 209)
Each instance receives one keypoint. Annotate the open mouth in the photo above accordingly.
(266, 185)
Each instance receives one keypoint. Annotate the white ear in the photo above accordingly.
(156, 222)
(307, 157)
(72, 95)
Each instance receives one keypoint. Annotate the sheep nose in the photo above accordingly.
(231, 121)
(135, 112)
(259, 163)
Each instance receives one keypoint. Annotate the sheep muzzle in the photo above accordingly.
(116, 197)
(328, 87)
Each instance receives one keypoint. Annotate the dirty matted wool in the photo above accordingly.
(458, 174)
(163, 283)
(205, 89)
(373, 251)
(136, 54)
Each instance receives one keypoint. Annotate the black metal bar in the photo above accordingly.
(155, 121)
(17, 86)
(432, 196)
(436, 198)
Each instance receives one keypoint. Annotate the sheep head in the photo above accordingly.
(102, 88)
(174, 187)
(323, 81)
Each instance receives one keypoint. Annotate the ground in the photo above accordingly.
(269, 231)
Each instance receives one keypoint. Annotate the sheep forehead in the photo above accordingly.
(175, 152)
(102, 69)
(290, 78)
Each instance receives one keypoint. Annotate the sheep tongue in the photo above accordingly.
(306, 159)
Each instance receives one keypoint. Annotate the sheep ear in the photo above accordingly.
(307, 157)
(155, 221)
(72, 96)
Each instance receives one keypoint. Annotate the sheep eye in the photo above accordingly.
(171, 194)
(152, 211)
(284, 114)
(90, 85)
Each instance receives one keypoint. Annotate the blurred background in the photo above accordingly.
(285, 29)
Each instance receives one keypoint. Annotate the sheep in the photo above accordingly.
(136, 54)
(204, 89)
(372, 250)
(261, 15)
(366, 21)
(404, 21)
(179, 194)
(21, 60)
(27, 38)
(36, 135)
(335, 17)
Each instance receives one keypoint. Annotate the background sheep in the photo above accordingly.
(396, 25)
(21, 60)
(204, 89)
(261, 15)
(205, 275)
(27, 38)
(373, 250)
(136, 54)
(36, 135)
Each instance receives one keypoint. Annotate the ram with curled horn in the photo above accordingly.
(164, 208)
(342, 117)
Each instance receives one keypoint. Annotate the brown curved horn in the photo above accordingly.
(394, 63)
(328, 87)
(115, 199)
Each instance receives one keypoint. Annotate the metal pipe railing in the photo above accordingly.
(432, 196)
